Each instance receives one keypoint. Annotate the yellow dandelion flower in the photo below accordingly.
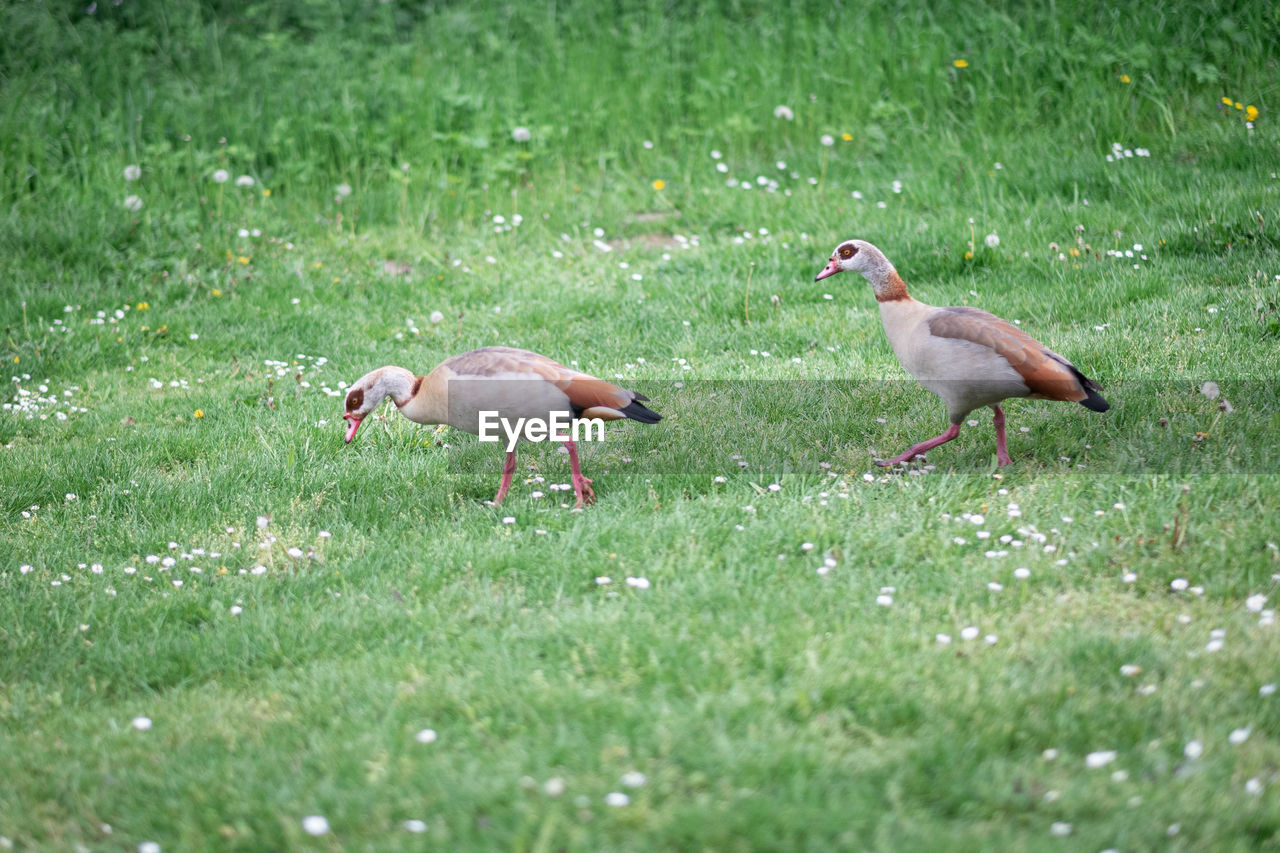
(961, 63)
(199, 413)
(317, 265)
(1226, 101)
(1124, 78)
(216, 292)
(659, 184)
(847, 137)
(242, 259)
(143, 306)
(1251, 112)
(266, 192)
(16, 359)
(968, 256)
(1239, 105)
(1075, 253)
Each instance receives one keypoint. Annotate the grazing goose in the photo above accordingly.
(495, 383)
(966, 356)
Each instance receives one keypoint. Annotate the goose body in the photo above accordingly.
(968, 357)
(476, 389)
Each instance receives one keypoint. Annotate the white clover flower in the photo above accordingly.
(1100, 759)
(133, 203)
(415, 826)
(244, 181)
(784, 112)
(142, 724)
(554, 786)
(969, 633)
(1255, 603)
(521, 134)
(992, 240)
(1193, 750)
(148, 847)
(638, 583)
(436, 317)
(617, 799)
(942, 639)
(132, 172)
(634, 779)
(827, 140)
(1239, 736)
(220, 176)
(426, 736)
(315, 824)
(343, 190)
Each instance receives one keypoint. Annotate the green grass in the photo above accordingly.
(767, 698)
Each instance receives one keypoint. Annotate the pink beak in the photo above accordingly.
(829, 270)
(355, 425)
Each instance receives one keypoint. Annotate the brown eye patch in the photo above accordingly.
(847, 251)
(354, 400)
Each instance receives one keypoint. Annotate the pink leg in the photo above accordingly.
(952, 432)
(1002, 448)
(508, 469)
(581, 485)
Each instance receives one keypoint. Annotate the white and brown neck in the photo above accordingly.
(395, 382)
(884, 279)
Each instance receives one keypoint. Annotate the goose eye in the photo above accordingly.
(354, 399)
(847, 252)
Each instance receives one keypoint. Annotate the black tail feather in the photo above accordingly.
(1094, 400)
(638, 411)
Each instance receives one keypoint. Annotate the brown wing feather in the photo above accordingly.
(1046, 373)
(589, 393)
(584, 391)
(493, 361)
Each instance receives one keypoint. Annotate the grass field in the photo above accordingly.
(222, 628)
